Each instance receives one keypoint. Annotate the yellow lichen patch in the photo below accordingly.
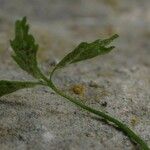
(78, 89)
(134, 120)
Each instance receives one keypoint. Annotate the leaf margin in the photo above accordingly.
(7, 87)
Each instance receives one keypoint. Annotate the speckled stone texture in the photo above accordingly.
(118, 83)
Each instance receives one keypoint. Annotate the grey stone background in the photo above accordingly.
(39, 119)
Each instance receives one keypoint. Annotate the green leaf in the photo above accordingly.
(7, 87)
(86, 51)
(25, 48)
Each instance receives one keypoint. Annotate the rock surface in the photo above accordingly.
(39, 119)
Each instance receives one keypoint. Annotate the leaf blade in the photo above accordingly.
(87, 51)
(7, 87)
(25, 48)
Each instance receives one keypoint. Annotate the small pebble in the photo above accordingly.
(93, 84)
(90, 134)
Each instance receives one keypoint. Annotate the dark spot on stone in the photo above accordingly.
(20, 137)
(53, 63)
(104, 104)
(75, 112)
(45, 91)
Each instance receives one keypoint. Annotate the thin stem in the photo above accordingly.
(124, 128)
